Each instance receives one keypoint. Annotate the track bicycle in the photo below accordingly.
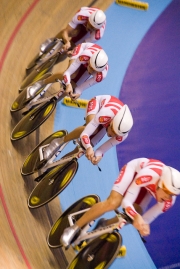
(37, 108)
(54, 176)
(96, 248)
(44, 61)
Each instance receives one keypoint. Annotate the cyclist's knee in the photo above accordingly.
(114, 200)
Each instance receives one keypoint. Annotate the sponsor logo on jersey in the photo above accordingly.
(167, 205)
(104, 119)
(84, 58)
(130, 212)
(82, 18)
(76, 50)
(85, 139)
(143, 179)
(120, 176)
(91, 104)
(99, 76)
(65, 79)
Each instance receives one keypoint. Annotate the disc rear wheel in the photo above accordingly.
(52, 184)
(33, 119)
(58, 227)
(21, 101)
(32, 161)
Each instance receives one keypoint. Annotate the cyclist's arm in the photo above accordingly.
(127, 203)
(76, 62)
(156, 210)
(66, 36)
(96, 35)
(71, 69)
(109, 144)
(98, 77)
(88, 131)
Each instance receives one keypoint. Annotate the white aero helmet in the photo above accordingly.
(97, 19)
(98, 60)
(170, 180)
(123, 121)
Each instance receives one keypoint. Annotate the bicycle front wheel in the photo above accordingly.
(32, 161)
(98, 253)
(52, 184)
(31, 121)
(62, 222)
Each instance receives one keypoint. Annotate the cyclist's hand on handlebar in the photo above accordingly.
(69, 53)
(96, 160)
(141, 225)
(66, 46)
(69, 90)
(74, 96)
(89, 153)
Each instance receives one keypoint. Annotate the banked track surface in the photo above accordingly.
(24, 24)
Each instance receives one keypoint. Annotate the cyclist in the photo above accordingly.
(88, 25)
(88, 66)
(104, 114)
(138, 181)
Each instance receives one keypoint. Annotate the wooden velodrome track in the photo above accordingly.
(24, 24)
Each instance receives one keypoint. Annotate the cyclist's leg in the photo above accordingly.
(63, 222)
(111, 203)
(56, 143)
(75, 134)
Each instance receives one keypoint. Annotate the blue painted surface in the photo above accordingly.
(152, 89)
(125, 30)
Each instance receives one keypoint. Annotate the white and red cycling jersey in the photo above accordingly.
(137, 182)
(104, 107)
(81, 56)
(80, 20)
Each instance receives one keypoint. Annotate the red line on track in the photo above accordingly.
(14, 33)
(2, 60)
(13, 229)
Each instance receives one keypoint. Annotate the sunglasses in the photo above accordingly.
(167, 191)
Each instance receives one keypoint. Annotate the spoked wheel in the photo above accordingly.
(52, 184)
(36, 74)
(99, 253)
(32, 161)
(58, 227)
(21, 101)
(31, 121)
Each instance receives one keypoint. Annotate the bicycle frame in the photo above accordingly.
(39, 99)
(51, 163)
(52, 52)
(85, 235)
